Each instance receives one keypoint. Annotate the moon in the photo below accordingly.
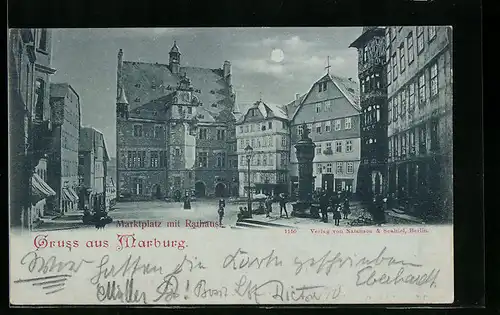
(277, 55)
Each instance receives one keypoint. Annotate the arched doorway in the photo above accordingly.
(220, 190)
(199, 188)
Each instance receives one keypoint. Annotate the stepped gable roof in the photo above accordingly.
(144, 82)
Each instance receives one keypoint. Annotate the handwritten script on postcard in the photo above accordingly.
(221, 266)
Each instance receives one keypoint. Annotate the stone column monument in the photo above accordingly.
(305, 155)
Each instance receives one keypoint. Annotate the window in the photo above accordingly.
(203, 159)
(142, 158)
(432, 32)
(300, 130)
(264, 160)
(40, 95)
(421, 89)
(42, 44)
(252, 141)
(409, 45)
(389, 71)
(337, 125)
(402, 61)
(252, 128)
(157, 132)
(420, 39)
(271, 159)
(412, 142)
(137, 130)
(377, 81)
(138, 186)
(338, 146)
(390, 147)
(241, 129)
(263, 127)
(221, 134)
(348, 146)
(189, 110)
(378, 113)
(329, 167)
(270, 125)
(154, 159)
(348, 123)
(365, 54)
(318, 149)
(327, 105)
(350, 167)
(318, 127)
(411, 97)
(340, 167)
(283, 141)
(395, 109)
(434, 79)
(434, 135)
(246, 128)
(309, 128)
(328, 126)
(329, 146)
(403, 103)
(422, 141)
(177, 151)
(389, 112)
(318, 107)
(394, 66)
(221, 160)
(403, 144)
(202, 134)
(270, 141)
(319, 168)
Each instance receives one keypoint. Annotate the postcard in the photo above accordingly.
(222, 166)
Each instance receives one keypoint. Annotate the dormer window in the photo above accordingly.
(214, 105)
(322, 86)
(137, 99)
(137, 85)
(153, 86)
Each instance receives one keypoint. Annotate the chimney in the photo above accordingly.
(297, 99)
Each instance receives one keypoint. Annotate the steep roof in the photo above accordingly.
(145, 82)
(348, 87)
(267, 110)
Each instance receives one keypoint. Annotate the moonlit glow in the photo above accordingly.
(277, 55)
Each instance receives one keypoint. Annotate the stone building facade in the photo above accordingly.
(373, 100)
(65, 103)
(175, 129)
(331, 111)
(265, 128)
(419, 78)
(92, 169)
(29, 123)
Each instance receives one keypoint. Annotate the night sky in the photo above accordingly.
(276, 63)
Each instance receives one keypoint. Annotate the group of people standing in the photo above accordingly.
(336, 202)
(269, 205)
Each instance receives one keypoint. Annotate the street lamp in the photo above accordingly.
(249, 152)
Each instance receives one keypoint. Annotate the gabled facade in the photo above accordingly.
(420, 102)
(175, 129)
(332, 113)
(265, 128)
(63, 175)
(373, 100)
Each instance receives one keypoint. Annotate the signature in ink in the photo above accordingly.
(40, 264)
(51, 284)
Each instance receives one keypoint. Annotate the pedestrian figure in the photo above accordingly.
(283, 205)
(221, 211)
(346, 210)
(323, 204)
(336, 215)
(269, 206)
(241, 213)
(222, 203)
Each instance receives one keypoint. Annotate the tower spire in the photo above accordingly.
(328, 65)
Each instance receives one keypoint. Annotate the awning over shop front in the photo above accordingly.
(68, 195)
(40, 189)
(73, 193)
